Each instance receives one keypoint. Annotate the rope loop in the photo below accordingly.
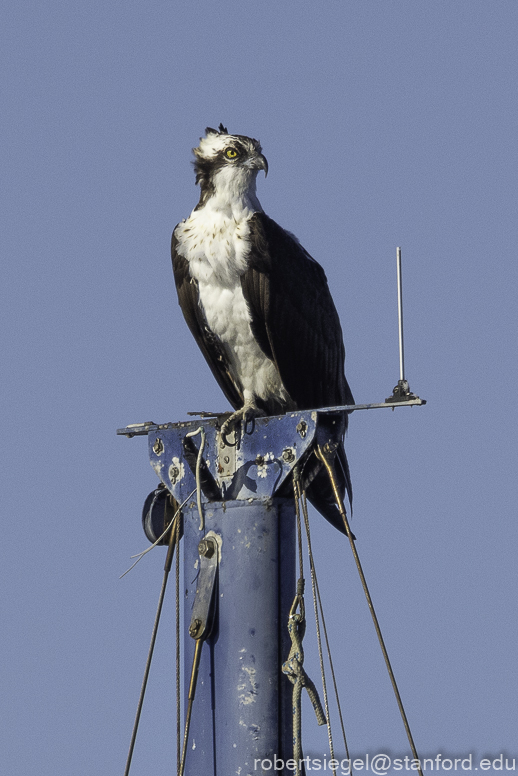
(293, 668)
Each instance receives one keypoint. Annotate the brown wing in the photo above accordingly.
(295, 322)
(294, 318)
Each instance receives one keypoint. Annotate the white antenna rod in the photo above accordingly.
(401, 392)
(400, 316)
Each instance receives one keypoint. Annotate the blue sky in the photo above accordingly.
(384, 123)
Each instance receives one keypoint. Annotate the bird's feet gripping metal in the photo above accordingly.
(248, 412)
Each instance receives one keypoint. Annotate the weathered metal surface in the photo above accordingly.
(241, 713)
(255, 467)
(250, 464)
(242, 709)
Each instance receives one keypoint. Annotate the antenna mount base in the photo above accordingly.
(401, 392)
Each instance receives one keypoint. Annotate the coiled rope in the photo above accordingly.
(293, 667)
(296, 483)
(317, 603)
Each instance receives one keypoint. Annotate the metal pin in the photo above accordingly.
(190, 698)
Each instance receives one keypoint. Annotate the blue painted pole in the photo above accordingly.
(242, 711)
(241, 717)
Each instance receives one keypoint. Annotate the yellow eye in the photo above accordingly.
(231, 153)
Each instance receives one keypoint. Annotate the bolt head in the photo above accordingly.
(206, 548)
(302, 428)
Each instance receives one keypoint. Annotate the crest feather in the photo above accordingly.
(220, 131)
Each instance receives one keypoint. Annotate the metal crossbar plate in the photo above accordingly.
(141, 429)
(263, 456)
(255, 467)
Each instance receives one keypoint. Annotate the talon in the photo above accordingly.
(225, 429)
(248, 412)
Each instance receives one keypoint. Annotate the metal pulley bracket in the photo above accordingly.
(201, 620)
(203, 612)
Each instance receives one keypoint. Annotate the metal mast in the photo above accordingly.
(231, 498)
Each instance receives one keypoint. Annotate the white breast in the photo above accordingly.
(216, 246)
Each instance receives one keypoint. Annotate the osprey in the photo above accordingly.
(258, 304)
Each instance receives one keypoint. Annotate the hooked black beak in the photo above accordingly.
(259, 163)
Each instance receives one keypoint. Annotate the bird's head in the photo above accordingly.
(226, 166)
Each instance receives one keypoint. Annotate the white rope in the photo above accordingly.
(200, 430)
